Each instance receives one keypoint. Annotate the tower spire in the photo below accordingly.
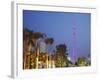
(74, 38)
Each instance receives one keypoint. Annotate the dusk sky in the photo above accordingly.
(59, 26)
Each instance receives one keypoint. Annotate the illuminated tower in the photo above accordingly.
(74, 38)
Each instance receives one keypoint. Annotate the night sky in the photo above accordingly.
(59, 25)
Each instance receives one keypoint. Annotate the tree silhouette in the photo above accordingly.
(82, 61)
(61, 55)
(49, 41)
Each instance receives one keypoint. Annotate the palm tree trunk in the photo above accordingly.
(29, 60)
(24, 66)
(47, 61)
(37, 57)
(36, 62)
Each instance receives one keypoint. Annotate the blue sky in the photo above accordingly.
(59, 25)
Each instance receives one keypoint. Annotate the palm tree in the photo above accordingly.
(48, 41)
(36, 37)
(30, 38)
(31, 44)
(82, 61)
(26, 44)
(61, 55)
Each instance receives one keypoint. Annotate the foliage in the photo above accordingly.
(61, 55)
(49, 40)
(82, 61)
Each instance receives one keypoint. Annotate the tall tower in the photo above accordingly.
(74, 44)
